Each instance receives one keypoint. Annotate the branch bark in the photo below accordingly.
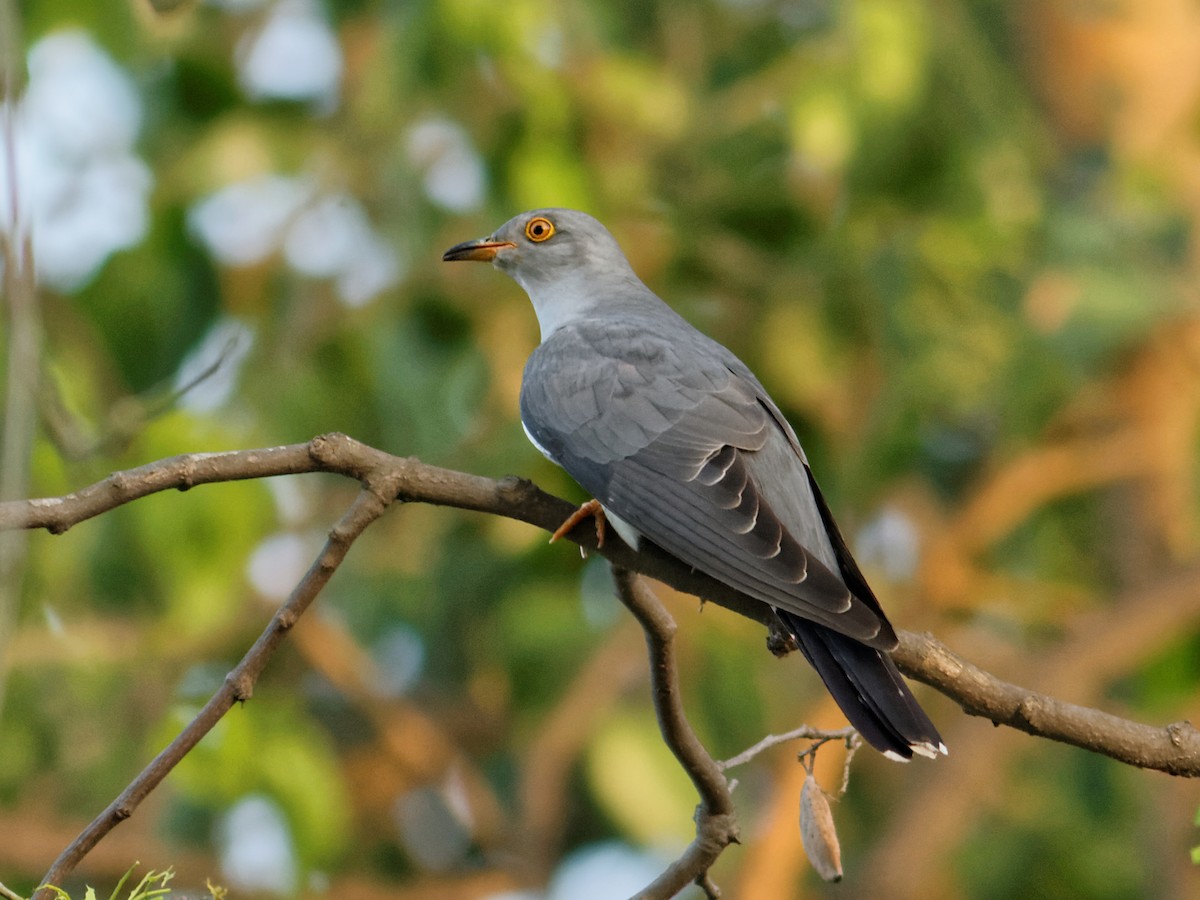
(1174, 748)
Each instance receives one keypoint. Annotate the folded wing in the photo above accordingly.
(680, 453)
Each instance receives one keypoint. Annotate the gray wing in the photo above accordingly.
(677, 438)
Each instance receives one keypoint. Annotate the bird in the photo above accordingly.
(679, 444)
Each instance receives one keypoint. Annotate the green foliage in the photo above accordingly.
(1025, 846)
(153, 884)
(1196, 849)
(879, 204)
(276, 752)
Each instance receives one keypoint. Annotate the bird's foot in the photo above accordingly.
(591, 508)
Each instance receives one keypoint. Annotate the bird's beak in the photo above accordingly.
(482, 251)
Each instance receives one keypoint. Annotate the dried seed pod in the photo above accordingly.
(817, 831)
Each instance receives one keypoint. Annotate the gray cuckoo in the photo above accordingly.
(680, 445)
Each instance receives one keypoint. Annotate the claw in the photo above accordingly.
(591, 508)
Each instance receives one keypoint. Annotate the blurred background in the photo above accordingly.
(957, 239)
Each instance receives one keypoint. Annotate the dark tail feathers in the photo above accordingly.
(868, 687)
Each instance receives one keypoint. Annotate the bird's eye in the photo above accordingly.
(539, 229)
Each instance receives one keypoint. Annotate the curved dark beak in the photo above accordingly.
(481, 251)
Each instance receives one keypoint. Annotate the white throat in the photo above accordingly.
(557, 303)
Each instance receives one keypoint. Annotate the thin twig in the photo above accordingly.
(804, 732)
(853, 744)
(126, 419)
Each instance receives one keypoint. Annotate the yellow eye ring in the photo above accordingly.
(539, 229)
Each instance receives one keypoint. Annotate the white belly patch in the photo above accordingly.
(628, 533)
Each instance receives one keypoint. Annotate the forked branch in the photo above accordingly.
(1174, 749)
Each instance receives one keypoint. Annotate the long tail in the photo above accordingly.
(870, 690)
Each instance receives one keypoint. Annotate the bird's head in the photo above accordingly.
(567, 262)
(548, 248)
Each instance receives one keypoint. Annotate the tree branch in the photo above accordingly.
(378, 491)
(1174, 749)
(716, 820)
(804, 732)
